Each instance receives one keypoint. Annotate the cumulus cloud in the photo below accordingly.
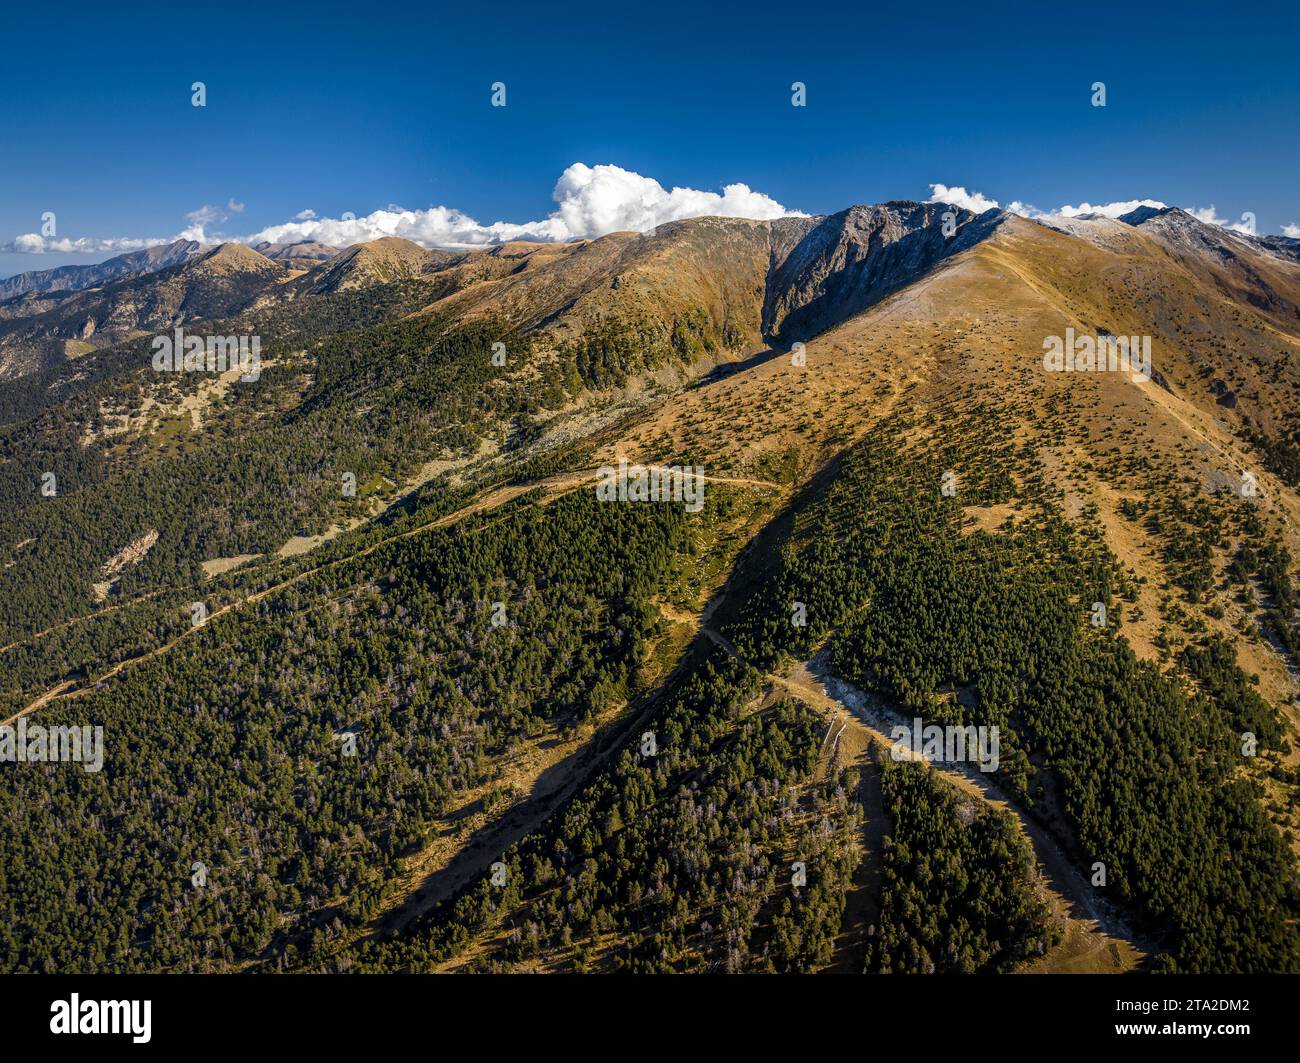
(957, 196)
(35, 244)
(1208, 215)
(590, 201)
(977, 201)
(1025, 210)
(205, 215)
(1211, 217)
(602, 199)
(1109, 210)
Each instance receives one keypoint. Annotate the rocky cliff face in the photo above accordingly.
(853, 259)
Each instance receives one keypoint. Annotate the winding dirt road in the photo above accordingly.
(556, 486)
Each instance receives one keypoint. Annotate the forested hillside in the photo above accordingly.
(438, 653)
(387, 685)
(1145, 772)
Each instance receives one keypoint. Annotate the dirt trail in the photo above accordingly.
(862, 902)
(465, 854)
(491, 500)
(551, 777)
(1077, 900)
(546, 774)
(557, 485)
(1093, 931)
(79, 619)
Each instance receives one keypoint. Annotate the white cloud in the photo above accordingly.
(977, 201)
(35, 244)
(1208, 215)
(1292, 231)
(205, 215)
(1108, 210)
(602, 199)
(1211, 217)
(590, 201)
(957, 196)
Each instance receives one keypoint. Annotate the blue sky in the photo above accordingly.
(356, 107)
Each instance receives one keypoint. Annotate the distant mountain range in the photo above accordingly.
(74, 278)
(303, 251)
(838, 265)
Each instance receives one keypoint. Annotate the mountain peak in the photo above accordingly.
(231, 257)
(300, 251)
(850, 260)
(389, 245)
(1145, 213)
(380, 261)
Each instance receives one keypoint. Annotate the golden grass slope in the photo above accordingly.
(972, 332)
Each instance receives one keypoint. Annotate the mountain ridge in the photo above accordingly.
(948, 509)
(74, 278)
